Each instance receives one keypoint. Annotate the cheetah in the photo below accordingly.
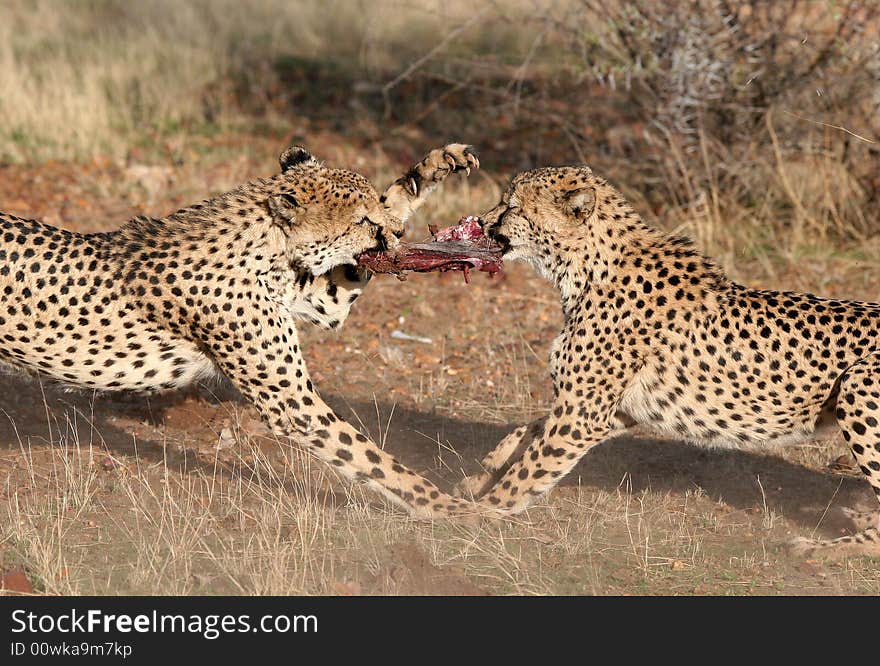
(656, 334)
(218, 286)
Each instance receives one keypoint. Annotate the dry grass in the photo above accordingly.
(85, 78)
(144, 530)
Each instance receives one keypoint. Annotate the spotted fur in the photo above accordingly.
(218, 286)
(657, 334)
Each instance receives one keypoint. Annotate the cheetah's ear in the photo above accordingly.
(284, 208)
(294, 156)
(580, 202)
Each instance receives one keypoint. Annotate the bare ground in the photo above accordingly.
(186, 493)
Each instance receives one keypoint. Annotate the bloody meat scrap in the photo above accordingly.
(461, 247)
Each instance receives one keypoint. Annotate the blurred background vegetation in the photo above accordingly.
(760, 116)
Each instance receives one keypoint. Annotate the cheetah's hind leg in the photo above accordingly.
(858, 413)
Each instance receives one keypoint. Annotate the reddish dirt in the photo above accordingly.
(15, 582)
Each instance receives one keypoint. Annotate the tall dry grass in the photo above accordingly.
(80, 78)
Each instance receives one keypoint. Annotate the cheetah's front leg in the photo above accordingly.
(496, 461)
(511, 448)
(568, 433)
(410, 191)
(335, 441)
(264, 361)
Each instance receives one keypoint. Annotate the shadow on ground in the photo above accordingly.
(35, 415)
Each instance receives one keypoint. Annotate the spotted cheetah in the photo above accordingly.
(656, 334)
(218, 286)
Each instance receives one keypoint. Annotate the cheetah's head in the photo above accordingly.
(543, 214)
(328, 216)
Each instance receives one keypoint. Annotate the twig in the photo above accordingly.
(827, 506)
(452, 34)
(801, 213)
(837, 127)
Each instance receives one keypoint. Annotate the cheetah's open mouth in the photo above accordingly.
(502, 241)
(461, 247)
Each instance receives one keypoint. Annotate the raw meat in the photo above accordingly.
(461, 247)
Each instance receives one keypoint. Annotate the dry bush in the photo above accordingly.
(733, 95)
(753, 122)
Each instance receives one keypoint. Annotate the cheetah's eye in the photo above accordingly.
(365, 221)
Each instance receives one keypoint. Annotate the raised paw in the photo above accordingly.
(451, 158)
(461, 156)
(408, 192)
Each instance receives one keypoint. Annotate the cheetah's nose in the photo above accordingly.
(399, 234)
